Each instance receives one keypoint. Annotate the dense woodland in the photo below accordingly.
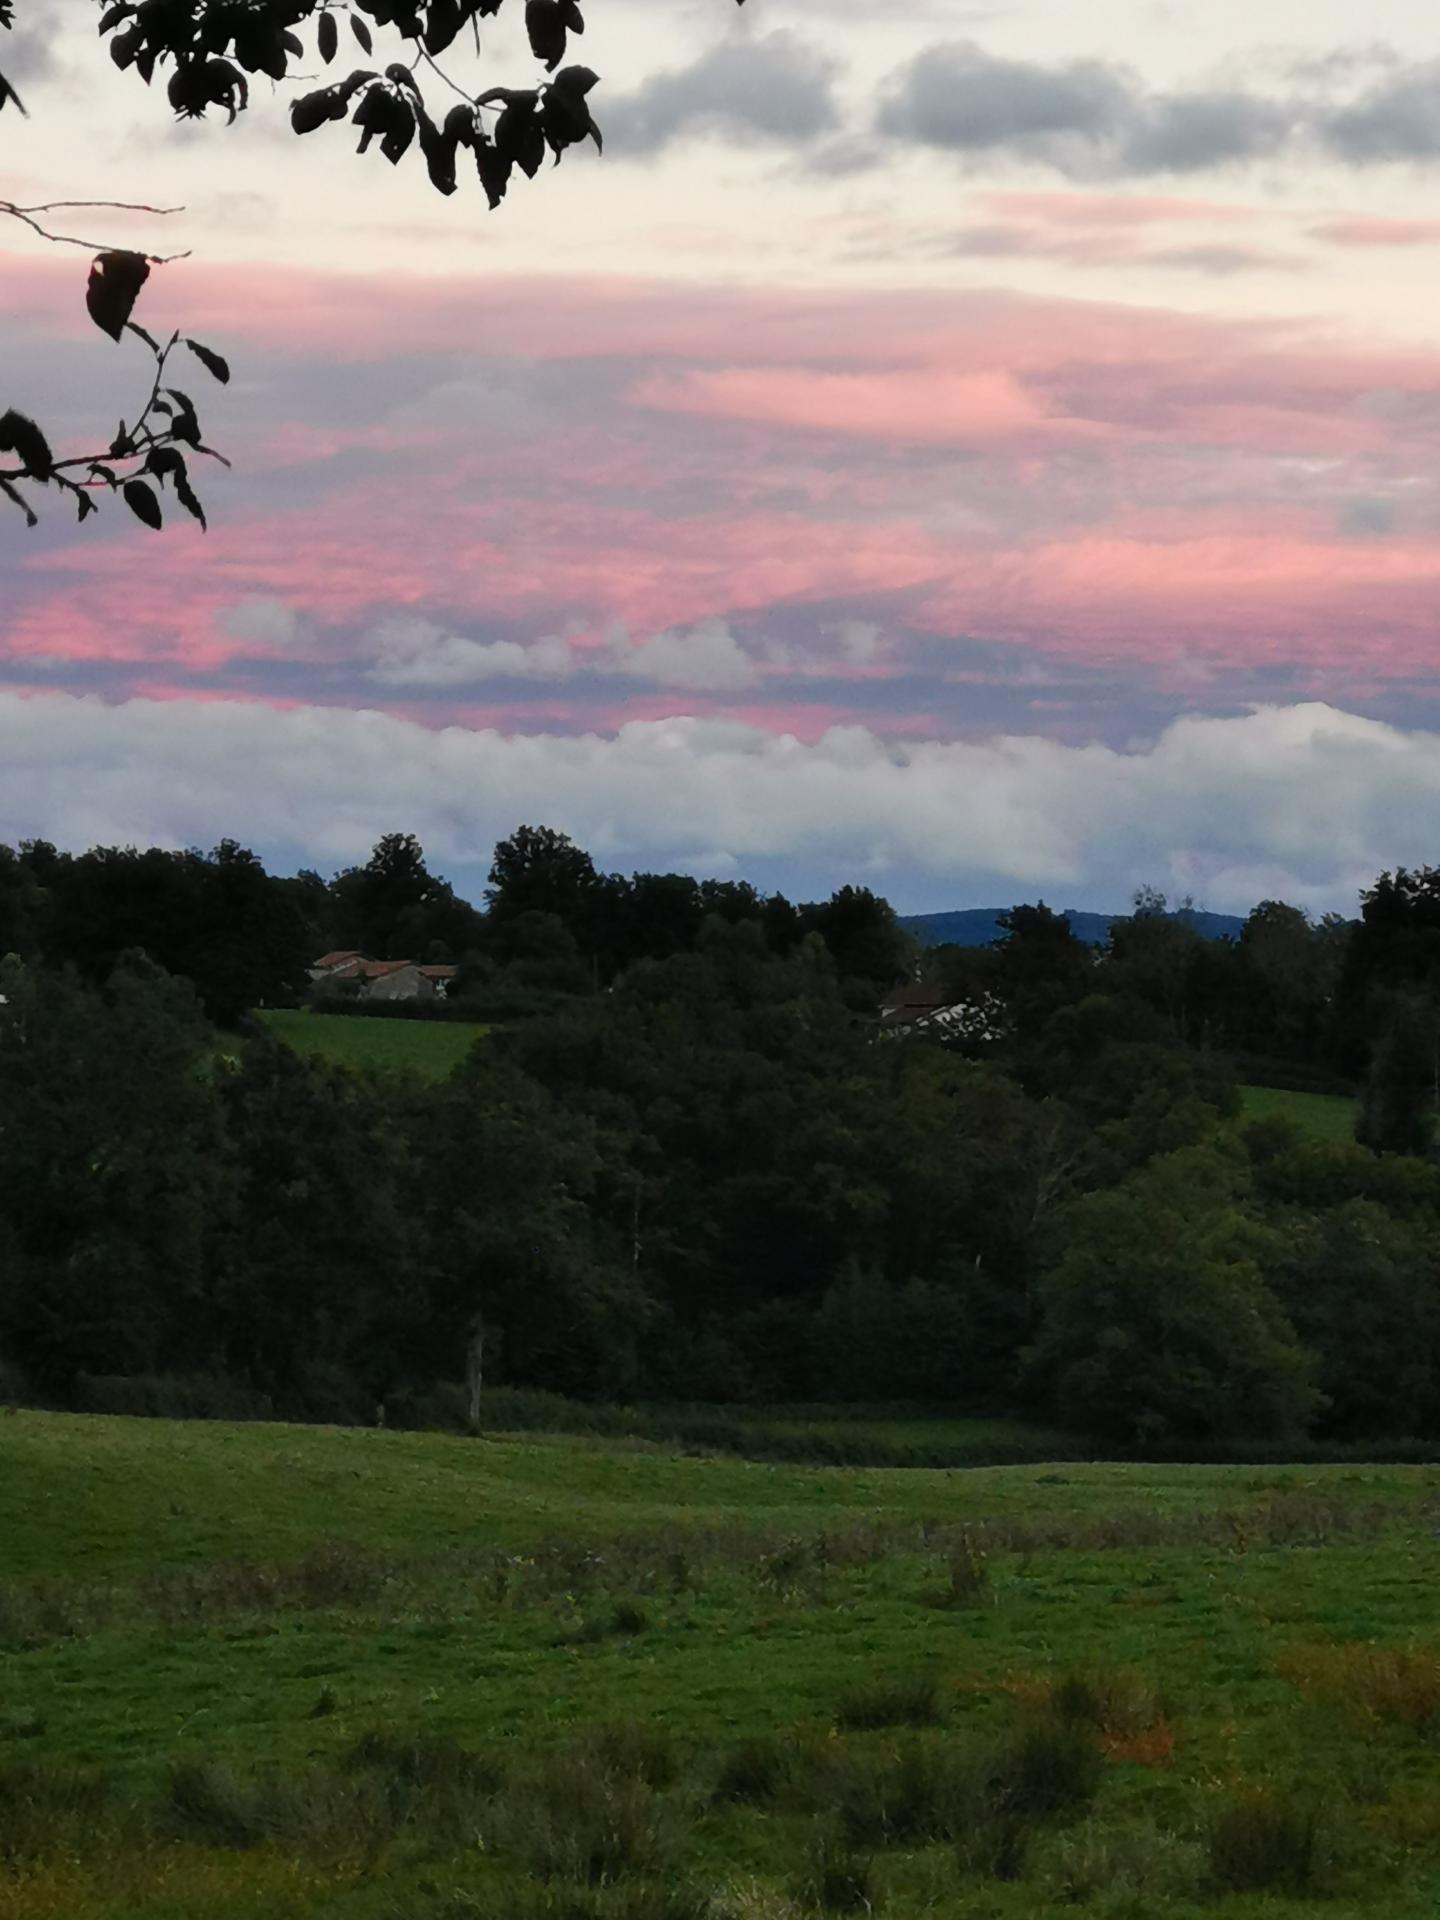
(688, 1164)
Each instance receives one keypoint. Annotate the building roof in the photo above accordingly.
(377, 969)
(913, 1000)
(328, 961)
(438, 972)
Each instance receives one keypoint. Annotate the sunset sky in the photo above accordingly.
(978, 451)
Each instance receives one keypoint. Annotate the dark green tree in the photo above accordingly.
(1159, 1325)
(1398, 1108)
(539, 870)
(111, 1171)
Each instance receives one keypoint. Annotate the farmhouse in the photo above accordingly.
(355, 975)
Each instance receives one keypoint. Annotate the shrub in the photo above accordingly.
(47, 1809)
(926, 1790)
(205, 1802)
(636, 1750)
(573, 1817)
(1124, 1710)
(1047, 1767)
(1399, 1684)
(967, 1575)
(911, 1700)
(434, 1783)
(756, 1771)
(1136, 1862)
(994, 1848)
(1260, 1842)
(835, 1878)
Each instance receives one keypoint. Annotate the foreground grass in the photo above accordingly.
(595, 1682)
(431, 1048)
(1323, 1116)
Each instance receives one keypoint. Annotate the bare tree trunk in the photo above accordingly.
(475, 1369)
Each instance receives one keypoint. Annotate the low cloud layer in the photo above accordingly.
(1302, 801)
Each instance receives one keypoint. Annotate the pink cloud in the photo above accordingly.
(1365, 230)
(916, 405)
(1114, 209)
(1097, 481)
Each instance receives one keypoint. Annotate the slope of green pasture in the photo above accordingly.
(431, 1048)
(711, 1601)
(98, 1495)
(1324, 1116)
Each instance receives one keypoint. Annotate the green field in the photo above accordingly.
(283, 1672)
(1324, 1116)
(430, 1048)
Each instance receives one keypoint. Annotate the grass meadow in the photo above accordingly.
(1323, 1116)
(262, 1671)
(430, 1048)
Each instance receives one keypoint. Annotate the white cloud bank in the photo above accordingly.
(1302, 801)
(705, 658)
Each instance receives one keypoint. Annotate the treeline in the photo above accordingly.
(554, 926)
(1332, 1005)
(715, 1181)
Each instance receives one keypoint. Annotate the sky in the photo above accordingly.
(981, 452)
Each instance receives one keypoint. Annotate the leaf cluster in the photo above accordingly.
(212, 48)
(143, 457)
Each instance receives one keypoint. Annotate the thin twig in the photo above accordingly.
(118, 206)
(73, 240)
(454, 85)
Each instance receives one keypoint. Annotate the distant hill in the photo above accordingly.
(980, 926)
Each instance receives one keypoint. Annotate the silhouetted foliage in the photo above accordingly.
(206, 52)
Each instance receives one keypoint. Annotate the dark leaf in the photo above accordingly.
(125, 46)
(545, 25)
(112, 16)
(149, 339)
(141, 501)
(313, 110)
(493, 168)
(445, 20)
(190, 500)
(438, 147)
(19, 434)
(114, 286)
(400, 131)
(166, 464)
(362, 33)
(328, 36)
(7, 92)
(107, 474)
(184, 427)
(11, 493)
(84, 505)
(210, 360)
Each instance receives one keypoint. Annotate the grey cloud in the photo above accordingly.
(960, 97)
(1090, 119)
(775, 87)
(1366, 516)
(1186, 132)
(1220, 260)
(1396, 119)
